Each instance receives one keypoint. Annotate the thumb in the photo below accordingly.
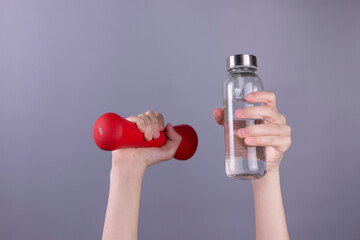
(219, 116)
(172, 144)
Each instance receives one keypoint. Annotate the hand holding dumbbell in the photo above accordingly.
(112, 132)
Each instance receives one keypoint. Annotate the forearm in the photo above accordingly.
(121, 221)
(269, 210)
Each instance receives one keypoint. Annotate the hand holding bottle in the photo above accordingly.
(274, 133)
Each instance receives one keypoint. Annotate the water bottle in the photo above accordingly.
(242, 161)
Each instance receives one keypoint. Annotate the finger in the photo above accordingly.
(171, 134)
(161, 121)
(131, 118)
(140, 123)
(266, 97)
(172, 144)
(148, 127)
(154, 124)
(268, 113)
(219, 116)
(282, 143)
(267, 129)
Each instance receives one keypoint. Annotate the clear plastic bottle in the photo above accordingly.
(242, 161)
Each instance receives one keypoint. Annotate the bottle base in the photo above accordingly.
(246, 176)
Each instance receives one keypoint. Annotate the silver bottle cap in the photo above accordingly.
(241, 60)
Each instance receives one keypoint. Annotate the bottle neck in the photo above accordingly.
(242, 70)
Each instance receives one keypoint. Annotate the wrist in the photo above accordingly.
(125, 166)
(119, 173)
(272, 176)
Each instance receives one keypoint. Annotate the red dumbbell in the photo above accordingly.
(112, 132)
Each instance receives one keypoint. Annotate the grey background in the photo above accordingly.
(64, 63)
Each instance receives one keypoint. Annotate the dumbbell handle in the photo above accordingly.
(112, 132)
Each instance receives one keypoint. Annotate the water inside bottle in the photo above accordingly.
(242, 161)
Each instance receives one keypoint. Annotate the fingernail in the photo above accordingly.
(249, 140)
(156, 135)
(148, 136)
(238, 112)
(241, 132)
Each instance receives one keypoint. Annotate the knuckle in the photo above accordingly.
(250, 141)
(269, 110)
(132, 118)
(272, 141)
(160, 119)
(169, 154)
(280, 117)
(154, 120)
(151, 114)
(140, 121)
(159, 115)
(289, 141)
(288, 129)
(286, 142)
(179, 137)
(272, 127)
(272, 96)
(284, 147)
(250, 130)
(145, 117)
